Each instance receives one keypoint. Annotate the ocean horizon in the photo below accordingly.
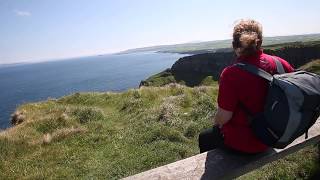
(37, 81)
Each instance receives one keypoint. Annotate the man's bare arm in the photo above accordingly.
(222, 116)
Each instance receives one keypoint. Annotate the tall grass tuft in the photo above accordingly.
(87, 114)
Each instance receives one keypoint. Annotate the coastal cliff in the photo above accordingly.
(201, 68)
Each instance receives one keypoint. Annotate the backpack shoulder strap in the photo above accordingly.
(280, 68)
(255, 70)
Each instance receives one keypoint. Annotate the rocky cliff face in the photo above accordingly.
(191, 70)
(208, 64)
(297, 55)
(211, 64)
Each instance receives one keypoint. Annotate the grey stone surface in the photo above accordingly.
(220, 164)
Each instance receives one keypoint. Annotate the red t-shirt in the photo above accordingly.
(237, 85)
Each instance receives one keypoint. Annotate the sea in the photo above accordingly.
(32, 82)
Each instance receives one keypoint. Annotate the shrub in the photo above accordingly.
(164, 133)
(87, 114)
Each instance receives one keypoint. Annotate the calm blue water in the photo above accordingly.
(34, 82)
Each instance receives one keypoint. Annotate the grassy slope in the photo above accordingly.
(113, 135)
(106, 135)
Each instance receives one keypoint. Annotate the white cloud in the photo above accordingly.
(22, 13)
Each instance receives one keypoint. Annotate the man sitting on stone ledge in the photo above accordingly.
(231, 128)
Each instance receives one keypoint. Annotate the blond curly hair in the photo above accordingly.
(247, 37)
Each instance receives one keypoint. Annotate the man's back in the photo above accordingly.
(238, 86)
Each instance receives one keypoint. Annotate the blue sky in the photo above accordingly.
(36, 30)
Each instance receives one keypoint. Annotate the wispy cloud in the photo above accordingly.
(22, 13)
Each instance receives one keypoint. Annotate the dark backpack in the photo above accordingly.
(292, 105)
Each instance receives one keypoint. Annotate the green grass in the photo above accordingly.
(106, 135)
(114, 135)
(301, 165)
